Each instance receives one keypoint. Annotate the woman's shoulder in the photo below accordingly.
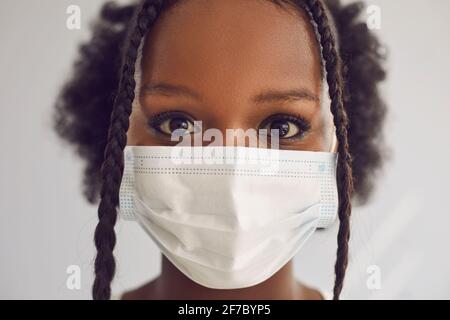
(326, 295)
(145, 292)
(310, 293)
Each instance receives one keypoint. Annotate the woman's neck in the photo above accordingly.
(173, 284)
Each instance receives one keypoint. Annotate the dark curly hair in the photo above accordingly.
(93, 108)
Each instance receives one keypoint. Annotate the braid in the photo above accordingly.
(112, 168)
(344, 169)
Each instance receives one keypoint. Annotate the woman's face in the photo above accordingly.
(232, 64)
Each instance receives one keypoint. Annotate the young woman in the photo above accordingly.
(158, 66)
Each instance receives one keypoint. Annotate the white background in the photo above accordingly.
(46, 225)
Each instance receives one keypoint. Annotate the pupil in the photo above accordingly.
(178, 123)
(281, 126)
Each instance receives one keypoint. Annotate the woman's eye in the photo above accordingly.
(287, 126)
(168, 122)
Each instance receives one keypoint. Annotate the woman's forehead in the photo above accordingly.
(220, 41)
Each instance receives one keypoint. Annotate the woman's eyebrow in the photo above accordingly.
(267, 96)
(284, 96)
(167, 89)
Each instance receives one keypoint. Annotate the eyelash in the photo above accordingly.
(155, 121)
(304, 126)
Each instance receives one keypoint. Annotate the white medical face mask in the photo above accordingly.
(233, 216)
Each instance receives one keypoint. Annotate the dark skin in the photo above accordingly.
(172, 284)
(241, 64)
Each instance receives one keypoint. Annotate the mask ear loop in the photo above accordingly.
(137, 75)
(328, 120)
(334, 144)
